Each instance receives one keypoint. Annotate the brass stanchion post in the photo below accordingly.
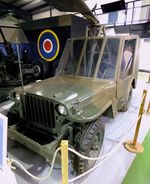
(148, 79)
(148, 109)
(64, 161)
(134, 146)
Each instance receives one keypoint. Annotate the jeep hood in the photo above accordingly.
(69, 89)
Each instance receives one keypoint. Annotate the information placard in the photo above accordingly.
(3, 140)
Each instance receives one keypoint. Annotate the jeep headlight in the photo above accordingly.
(62, 110)
(18, 96)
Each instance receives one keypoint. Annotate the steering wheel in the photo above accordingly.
(110, 64)
(106, 65)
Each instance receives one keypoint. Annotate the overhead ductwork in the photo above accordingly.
(74, 6)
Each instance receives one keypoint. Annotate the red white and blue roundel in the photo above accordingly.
(48, 45)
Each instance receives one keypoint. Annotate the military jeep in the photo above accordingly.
(95, 78)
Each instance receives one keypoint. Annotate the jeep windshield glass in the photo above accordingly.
(109, 59)
(71, 56)
(81, 57)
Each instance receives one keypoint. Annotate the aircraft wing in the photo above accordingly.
(74, 6)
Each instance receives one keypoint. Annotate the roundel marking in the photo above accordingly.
(48, 45)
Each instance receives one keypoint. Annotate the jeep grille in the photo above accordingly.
(38, 110)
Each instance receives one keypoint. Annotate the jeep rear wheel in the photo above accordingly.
(127, 104)
(88, 142)
(41, 69)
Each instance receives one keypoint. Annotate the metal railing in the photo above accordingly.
(134, 13)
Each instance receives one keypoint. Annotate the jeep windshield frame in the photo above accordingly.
(91, 57)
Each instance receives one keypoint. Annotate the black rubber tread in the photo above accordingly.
(44, 68)
(127, 104)
(83, 143)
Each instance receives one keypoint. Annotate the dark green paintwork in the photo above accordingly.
(85, 99)
(68, 91)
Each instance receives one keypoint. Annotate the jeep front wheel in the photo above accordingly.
(88, 142)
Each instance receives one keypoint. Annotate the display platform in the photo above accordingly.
(7, 176)
(113, 170)
(139, 170)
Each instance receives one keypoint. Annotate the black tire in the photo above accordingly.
(41, 69)
(90, 137)
(127, 104)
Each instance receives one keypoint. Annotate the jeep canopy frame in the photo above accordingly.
(90, 57)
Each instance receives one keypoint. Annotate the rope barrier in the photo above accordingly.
(103, 158)
(11, 161)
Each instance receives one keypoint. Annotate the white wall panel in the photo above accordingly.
(145, 55)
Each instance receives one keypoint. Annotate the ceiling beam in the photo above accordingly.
(40, 9)
(32, 3)
(20, 13)
(14, 1)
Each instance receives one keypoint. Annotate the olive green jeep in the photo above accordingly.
(95, 78)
